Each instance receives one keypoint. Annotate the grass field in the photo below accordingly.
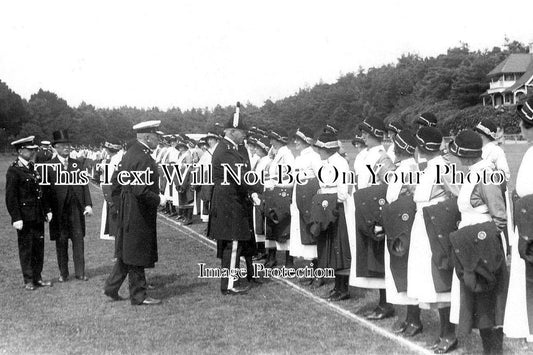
(76, 318)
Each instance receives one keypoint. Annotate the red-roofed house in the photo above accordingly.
(510, 80)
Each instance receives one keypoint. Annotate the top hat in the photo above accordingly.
(60, 136)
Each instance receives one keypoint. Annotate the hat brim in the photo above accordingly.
(61, 141)
(279, 139)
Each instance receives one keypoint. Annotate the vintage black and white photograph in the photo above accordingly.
(266, 177)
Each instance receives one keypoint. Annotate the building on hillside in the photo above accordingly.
(511, 80)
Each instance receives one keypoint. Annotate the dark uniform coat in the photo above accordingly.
(24, 198)
(230, 217)
(136, 240)
(58, 193)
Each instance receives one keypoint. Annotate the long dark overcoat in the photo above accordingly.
(230, 215)
(136, 239)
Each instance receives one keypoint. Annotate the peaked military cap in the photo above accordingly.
(147, 126)
(427, 119)
(394, 126)
(26, 142)
(237, 120)
(430, 138)
(487, 128)
(405, 141)
(525, 111)
(467, 144)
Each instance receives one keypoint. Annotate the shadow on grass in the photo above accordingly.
(166, 286)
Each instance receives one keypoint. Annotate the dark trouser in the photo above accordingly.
(136, 278)
(71, 229)
(231, 252)
(31, 250)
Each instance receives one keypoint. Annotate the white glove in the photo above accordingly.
(162, 200)
(18, 225)
(255, 199)
(88, 211)
(48, 217)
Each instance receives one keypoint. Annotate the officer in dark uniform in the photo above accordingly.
(136, 239)
(230, 217)
(28, 210)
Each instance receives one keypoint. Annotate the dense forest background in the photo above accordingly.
(448, 85)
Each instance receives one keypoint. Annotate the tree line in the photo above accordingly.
(449, 85)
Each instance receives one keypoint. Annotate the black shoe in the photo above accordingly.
(30, 287)
(435, 344)
(446, 345)
(114, 297)
(413, 329)
(82, 278)
(235, 291)
(149, 301)
(42, 283)
(400, 327)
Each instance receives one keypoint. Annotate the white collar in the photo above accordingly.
(24, 162)
(231, 141)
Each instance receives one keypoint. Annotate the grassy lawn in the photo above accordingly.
(75, 317)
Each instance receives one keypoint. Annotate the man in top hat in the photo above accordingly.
(230, 217)
(519, 310)
(481, 304)
(136, 239)
(491, 150)
(70, 204)
(28, 209)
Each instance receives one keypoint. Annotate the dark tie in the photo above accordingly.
(31, 166)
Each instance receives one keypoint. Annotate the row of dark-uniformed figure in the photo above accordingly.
(422, 245)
